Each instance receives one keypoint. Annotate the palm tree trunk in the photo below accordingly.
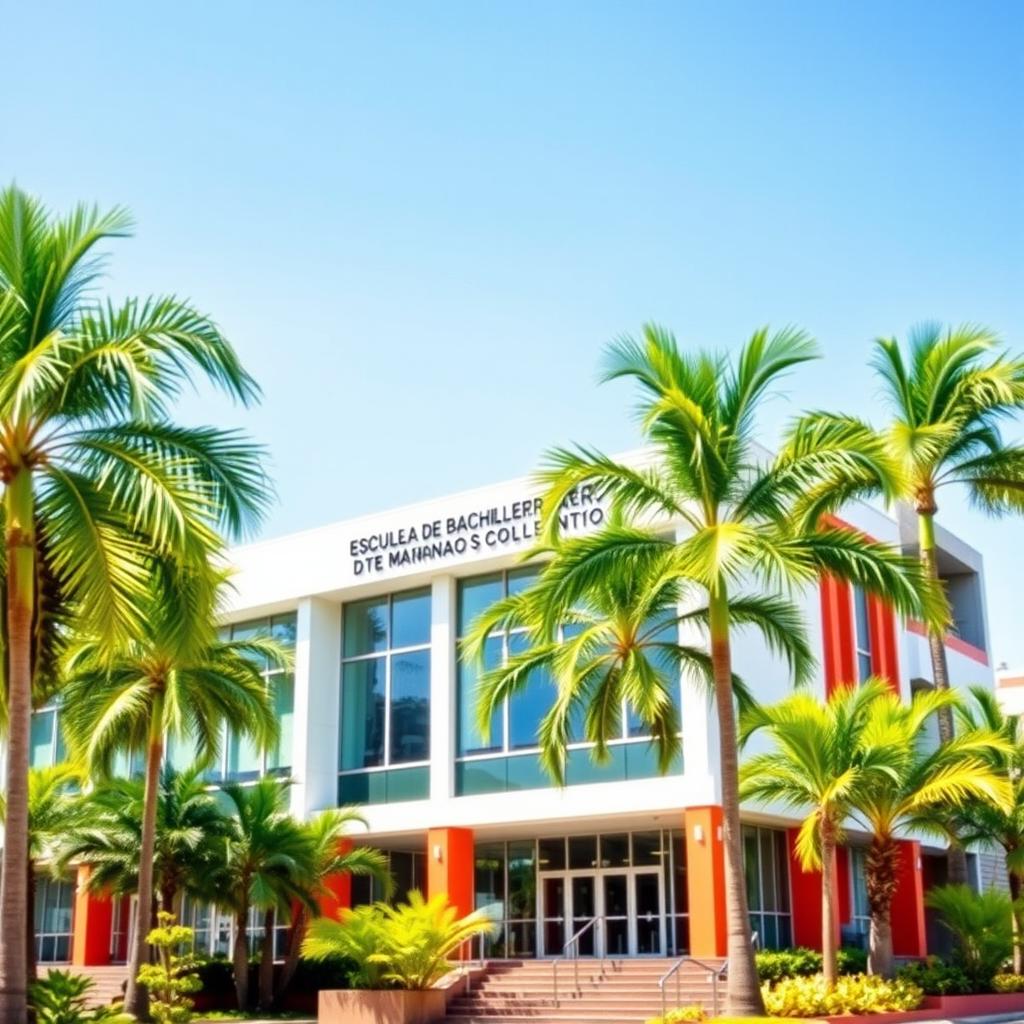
(744, 990)
(136, 1000)
(829, 951)
(881, 883)
(240, 957)
(956, 858)
(20, 541)
(266, 996)
(291, 960)
(30, 922)
(1014, 882)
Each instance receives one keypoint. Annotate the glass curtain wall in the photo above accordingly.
(53, 913)
(766, 863)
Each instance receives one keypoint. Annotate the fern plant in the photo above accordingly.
(982, 925)
(407, 946)
(61, 998)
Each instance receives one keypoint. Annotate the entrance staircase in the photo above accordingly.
(608, 992)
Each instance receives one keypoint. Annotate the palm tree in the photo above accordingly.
(264, 863)
(920, 782)
(817, 767)
(979, 821)
(333, 855)
(948, 391)
(54, 805)
(94, 472)
(698, 413)
(189, 824)
(172, 679)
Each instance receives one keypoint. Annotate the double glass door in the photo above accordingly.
(627, 909)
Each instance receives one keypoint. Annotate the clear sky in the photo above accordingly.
(420, 223)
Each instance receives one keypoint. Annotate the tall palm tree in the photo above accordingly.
(979, 821)
(333, 855)
(172, 679)
(817, 766)
(264, 863)
(54, 806)
(94, 472)
(698, 413)
(921, 782)
(108, 838)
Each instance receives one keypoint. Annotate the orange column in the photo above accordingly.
(450, 861)
(908, 934)
(837, 633)
(91, 925)
(705, 880)
(884, 653)
(338, 888)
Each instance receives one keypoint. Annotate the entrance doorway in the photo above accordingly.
(624, 908)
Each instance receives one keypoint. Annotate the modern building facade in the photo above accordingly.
(379, 711)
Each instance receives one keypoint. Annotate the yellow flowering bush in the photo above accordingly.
(694, 1014)
(1008, 982)
(854, 993)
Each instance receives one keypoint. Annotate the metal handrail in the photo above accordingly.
(715, 974)
(467, 963)
(573, 942)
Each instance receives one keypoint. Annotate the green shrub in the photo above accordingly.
(1008, 982)
(854, 993)
(405, 946)
(936, 978)
(982, 926)
(331, 972)
(775, 964)
(60, 998)
(173, 978)
(216, 976)
(682, 1015)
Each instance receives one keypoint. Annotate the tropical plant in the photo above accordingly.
(775, 964)
(265, 860)
(54, 806)
(818, 761)
(108, 836)
(855, 994)
(95, 476)
(173, 978)
(63, 998)
(981, 924)
(748, 525)
(920, 780)
(333, 855)
(978, 821)
(936, 978)
(407, 946)
(173, 679)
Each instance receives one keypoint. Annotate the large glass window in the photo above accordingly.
(862, 633)
(861, 911)
(46, 745)
(766, 864)
(241, 760)
(53, 900)
(384, 748)
(506, 759)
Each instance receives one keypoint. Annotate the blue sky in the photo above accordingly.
(420, 223)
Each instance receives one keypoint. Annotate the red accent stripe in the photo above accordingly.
(954, 643)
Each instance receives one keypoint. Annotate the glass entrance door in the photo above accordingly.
(648, 913)
(616, 914)
(554, 912)
(584, 909)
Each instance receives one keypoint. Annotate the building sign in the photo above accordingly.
(475, 531)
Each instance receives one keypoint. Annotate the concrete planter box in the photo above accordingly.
(370, 1006)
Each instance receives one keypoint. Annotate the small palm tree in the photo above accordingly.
(920, 782)
(173, 679)
(333, 855)
(108, 836)
(817, 766)
(265, 860)
(698, 413)
(54, 806)
(95, 474)
(980, 821)
(406, 946)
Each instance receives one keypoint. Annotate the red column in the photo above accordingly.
(338, 888)
(884, 652)
(837, 633)
(705, 880)
(908, 934)
(450, 866)
(805, 887)
(91, 925)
